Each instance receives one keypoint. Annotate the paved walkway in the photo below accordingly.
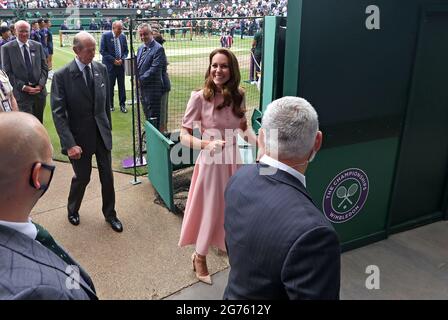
(144, 262)
(413, 265)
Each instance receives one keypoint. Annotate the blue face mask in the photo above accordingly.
(43, 187)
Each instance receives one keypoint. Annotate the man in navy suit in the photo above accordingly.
(43, 32)
(150, 60)
(93, 25)
(280, 245)
(114, 49)
(107, 25)
(32, 265)
(64, 25)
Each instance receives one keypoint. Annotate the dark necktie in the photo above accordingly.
(89, 80)
(29, 68)
(45, 238)
(142, 57)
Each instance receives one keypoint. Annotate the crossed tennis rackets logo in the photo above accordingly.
(345, 195)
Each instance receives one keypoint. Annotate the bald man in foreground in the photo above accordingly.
(81, 113)
(32, 265)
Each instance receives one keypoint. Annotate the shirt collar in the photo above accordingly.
(26, 228)
(21, 43)
(81, 65)
(281, 166)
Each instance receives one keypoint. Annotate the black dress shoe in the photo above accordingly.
(73, 218)
(115, 224)
(123, 109)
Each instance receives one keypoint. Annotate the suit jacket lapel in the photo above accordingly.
(139, 53)
(286, 178)
(78, 77)
(33, 55)
(148, 51)
(23, 245)
(120, 38)
(20, 55)
(148, 55)
(97, 81)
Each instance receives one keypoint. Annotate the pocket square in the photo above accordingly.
(102, 85)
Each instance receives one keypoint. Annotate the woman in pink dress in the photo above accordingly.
(218, 111)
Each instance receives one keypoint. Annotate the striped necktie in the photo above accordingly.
(117, 48)
(142, 57)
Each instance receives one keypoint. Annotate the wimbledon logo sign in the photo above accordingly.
(346, 195)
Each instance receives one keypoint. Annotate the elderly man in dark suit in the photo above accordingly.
(280, 245)
(114, 50)
(32, 264)
(81, 113)
(150, 60)
(25, 63)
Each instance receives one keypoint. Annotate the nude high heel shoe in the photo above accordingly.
(201, 262)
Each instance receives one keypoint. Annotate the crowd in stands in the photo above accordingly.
(204, 8)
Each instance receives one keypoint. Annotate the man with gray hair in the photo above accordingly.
(114, 50)
(150, 60)
(81, 113)
(32, 264)
(25, 63)
(280, 245)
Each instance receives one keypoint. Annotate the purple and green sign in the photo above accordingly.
(345, 195)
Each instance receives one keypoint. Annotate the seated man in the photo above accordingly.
(32, 264)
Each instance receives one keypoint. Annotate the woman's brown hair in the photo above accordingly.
(233, 94)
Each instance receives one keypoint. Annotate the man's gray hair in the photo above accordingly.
(80, 37)
(22, 22)
(145, 25)
(291, 126)
(117, 22)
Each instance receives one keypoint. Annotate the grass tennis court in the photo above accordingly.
(188, 61)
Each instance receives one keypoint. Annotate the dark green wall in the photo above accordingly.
(420, 191)
(382, 104)
(345, 69)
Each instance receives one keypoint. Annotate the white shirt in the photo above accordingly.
(281, 166)
(81, 67)
(21, 44)
(27, 228)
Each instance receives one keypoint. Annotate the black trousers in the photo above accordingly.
(83, 169)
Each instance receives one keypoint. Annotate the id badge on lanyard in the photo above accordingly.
(5, 102)
(6, 105)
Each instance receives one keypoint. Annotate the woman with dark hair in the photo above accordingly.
(219, 112)
(5, 34)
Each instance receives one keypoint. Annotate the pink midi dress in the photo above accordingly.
(203, 222)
